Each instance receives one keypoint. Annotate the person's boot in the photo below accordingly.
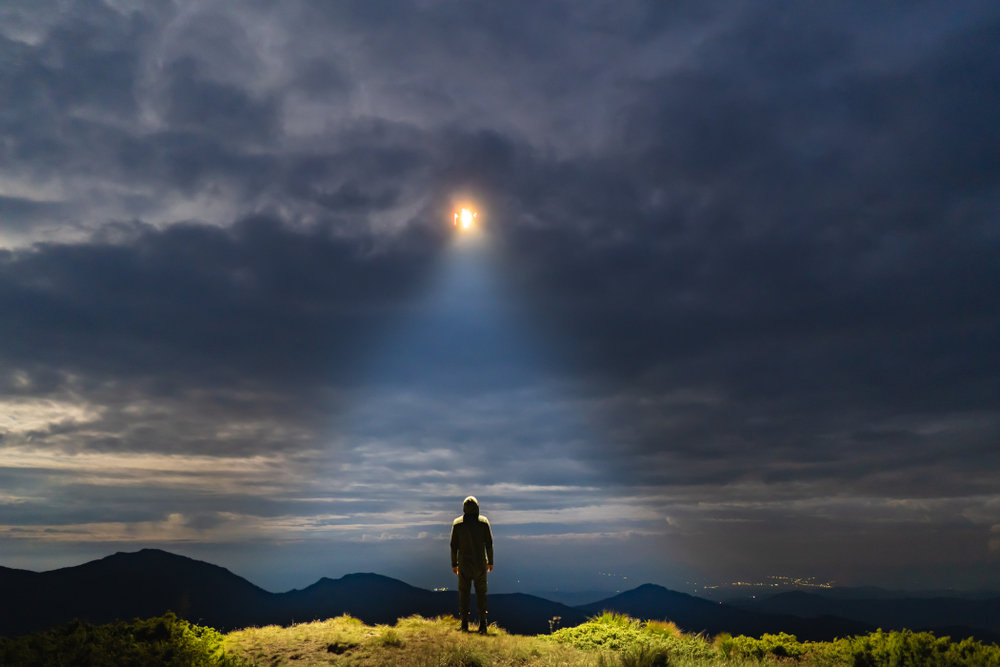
(465, 623)
(483, 624)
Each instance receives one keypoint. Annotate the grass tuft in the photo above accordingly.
(614, 619)
(389, 637)
(663, 628)
(463, 655)
(644, 655)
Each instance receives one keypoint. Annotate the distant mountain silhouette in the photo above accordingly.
(8, 574)
(151, 582)
(958, 615)
(129, 585)
(575, 598)
(697, 615)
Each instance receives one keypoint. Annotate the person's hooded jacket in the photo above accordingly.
(471, 541)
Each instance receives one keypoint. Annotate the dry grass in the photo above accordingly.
(668, 628)
(413, 642)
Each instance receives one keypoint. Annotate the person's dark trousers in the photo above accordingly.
(465, 590)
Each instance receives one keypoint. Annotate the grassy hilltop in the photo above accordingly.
(609, 640)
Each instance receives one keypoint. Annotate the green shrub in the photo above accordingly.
(912, 649)
(724, 644)
(878, 649)
(686, 646)
(609, 632)
(781, 645)
(156, 642)
(640, 644)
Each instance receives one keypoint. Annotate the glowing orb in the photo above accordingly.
(465, 217)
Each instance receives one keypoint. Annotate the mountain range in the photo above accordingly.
(151, 582)
(907, 612)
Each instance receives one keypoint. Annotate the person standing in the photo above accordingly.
(471, 559)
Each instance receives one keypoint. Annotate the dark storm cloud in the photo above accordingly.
(193, 298)
(857, 271)
(757, 246)
(19, 212)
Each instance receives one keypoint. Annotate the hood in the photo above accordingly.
(470, 507)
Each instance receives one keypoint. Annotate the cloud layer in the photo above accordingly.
(736, 312)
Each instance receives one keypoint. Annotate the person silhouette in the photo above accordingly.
(471, 559)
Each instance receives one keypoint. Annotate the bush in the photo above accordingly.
(910, 649)
(878, 649)
(693, 648)
(781, 645)
(724, 644)
(640, 644)
(609, 632)
(156, 642)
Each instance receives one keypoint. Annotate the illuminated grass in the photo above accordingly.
(608, 640)
(637, 644)
(414, 641)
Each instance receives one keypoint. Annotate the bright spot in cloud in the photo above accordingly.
(465, 217)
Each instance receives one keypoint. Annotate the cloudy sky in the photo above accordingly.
(731, 308)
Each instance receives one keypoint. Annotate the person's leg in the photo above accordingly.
(481, 602)
(464, 591)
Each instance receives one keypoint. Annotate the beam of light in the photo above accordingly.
(460, 398)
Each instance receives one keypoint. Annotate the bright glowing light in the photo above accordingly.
(465, 216)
